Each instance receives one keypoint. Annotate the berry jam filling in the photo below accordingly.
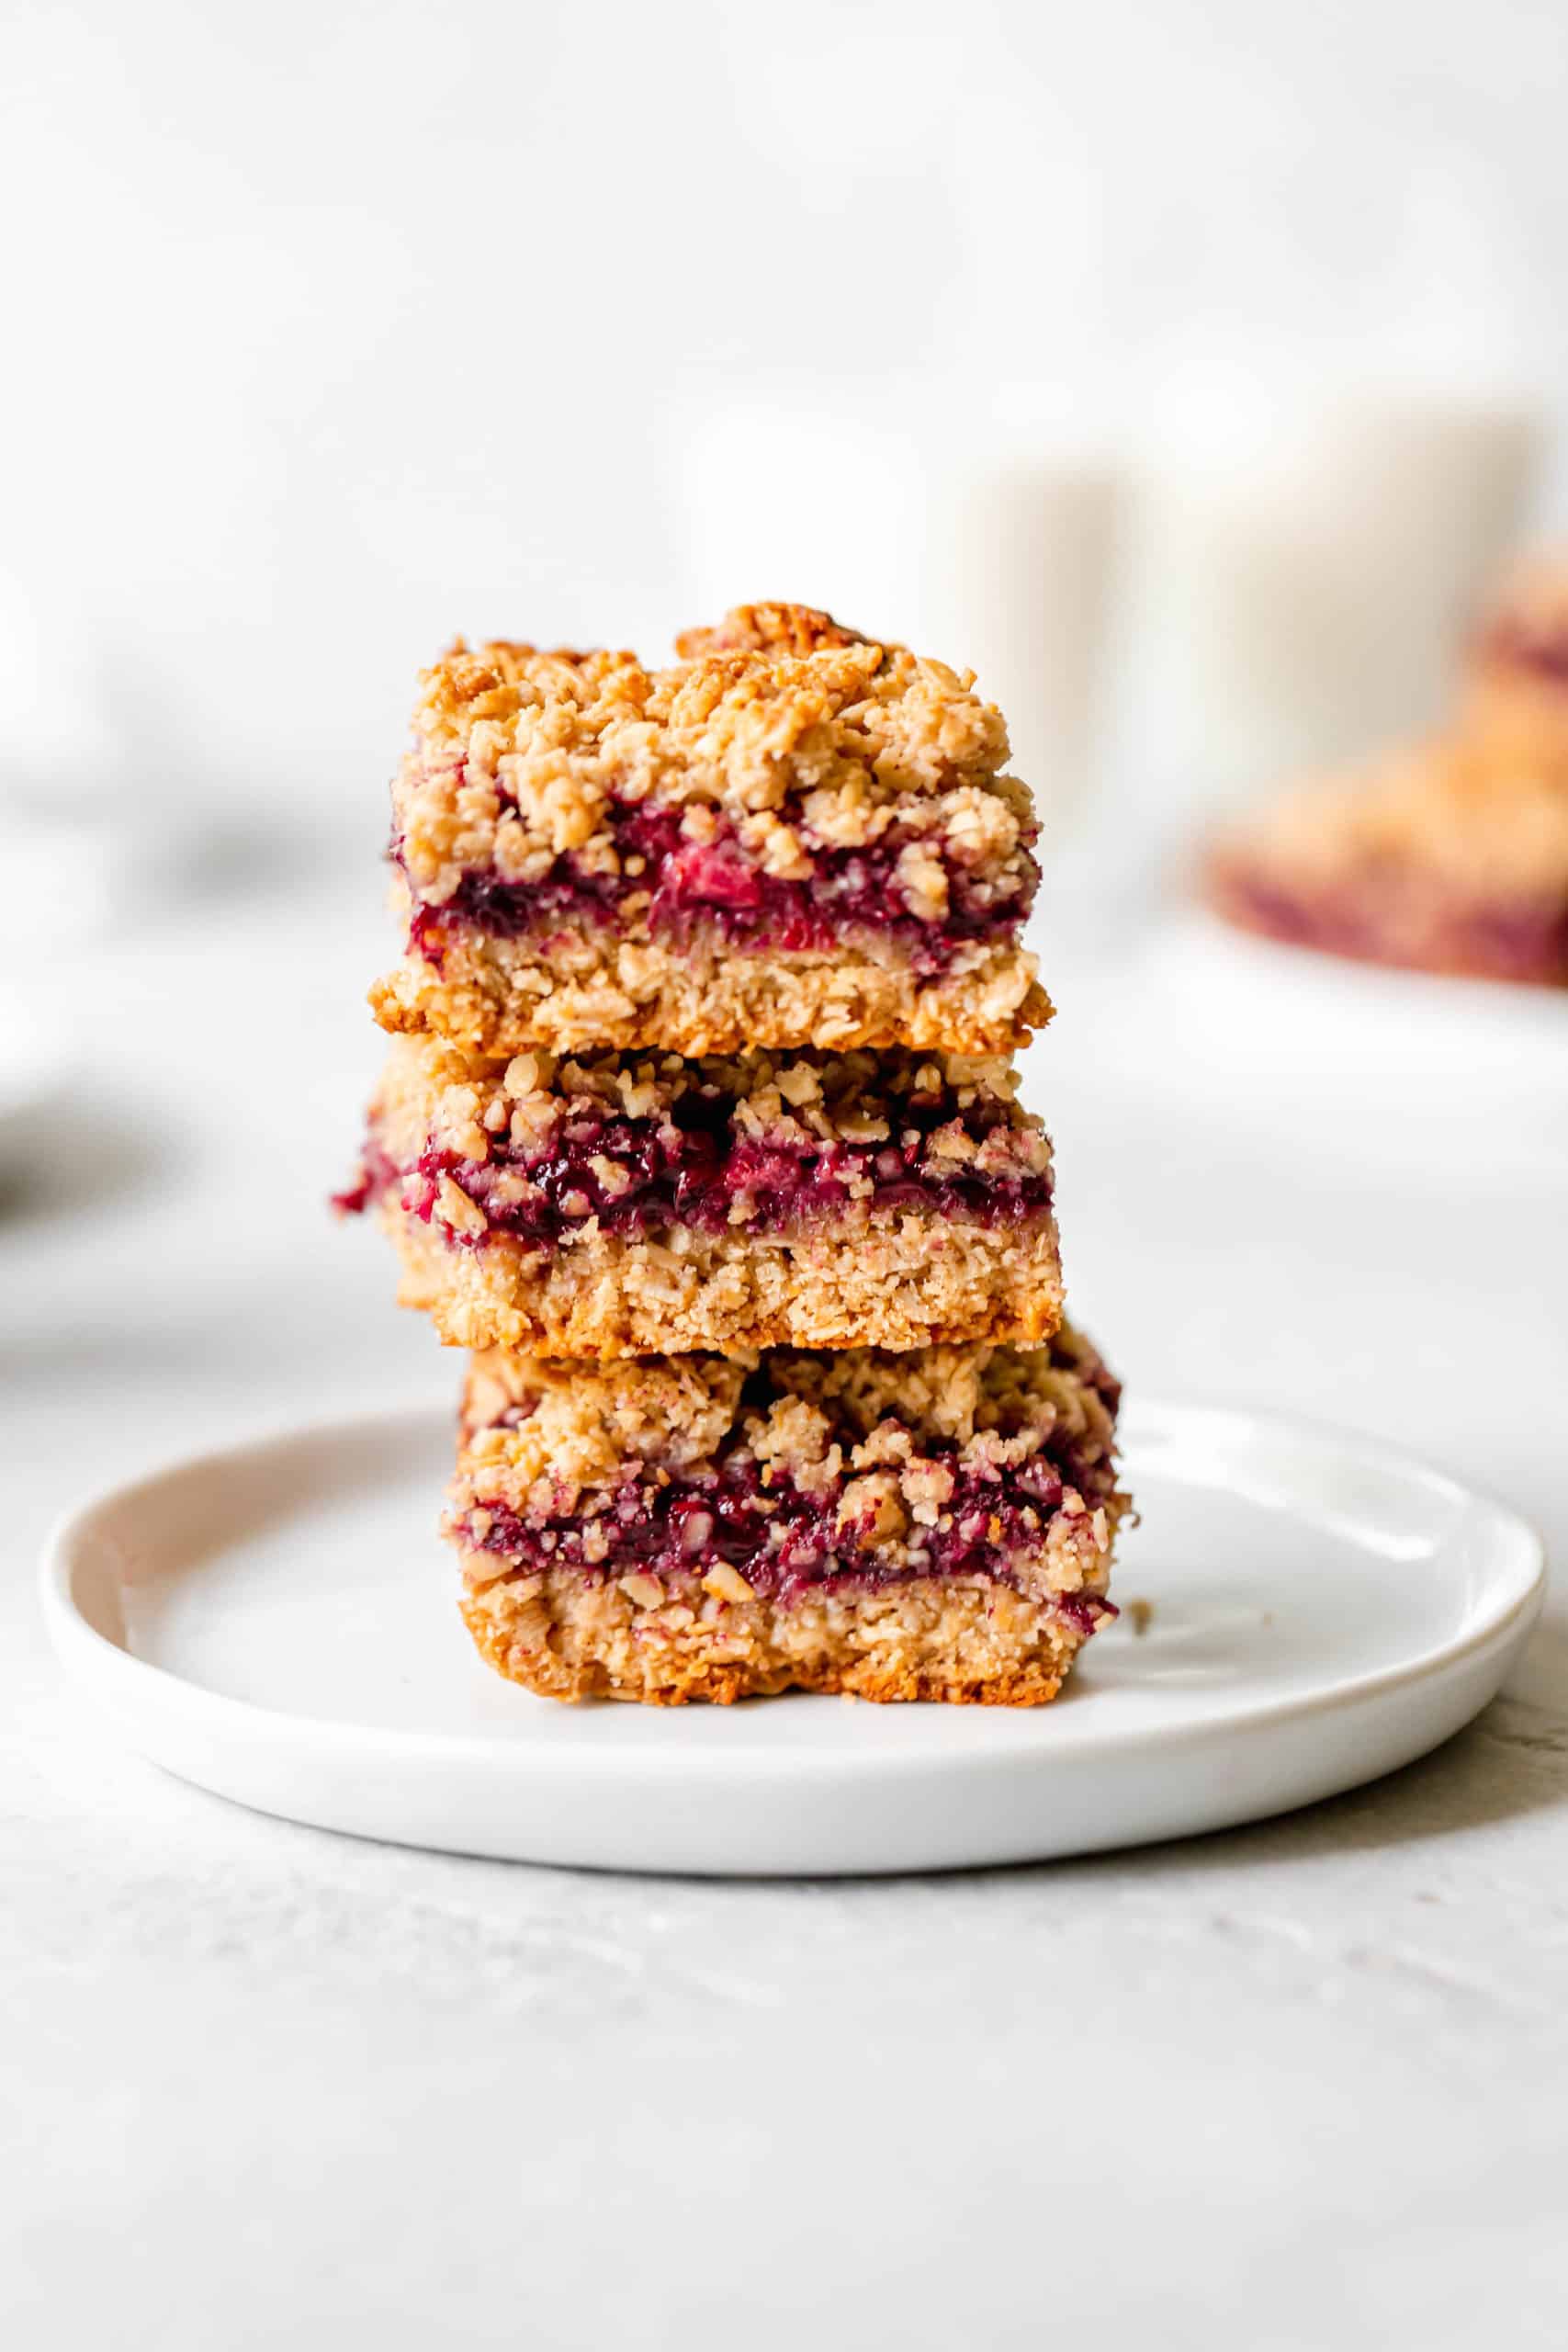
(690, 1168)
(716, 884)
(785, 1543)
(375, 1176)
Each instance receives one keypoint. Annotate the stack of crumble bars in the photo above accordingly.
(700, 1131)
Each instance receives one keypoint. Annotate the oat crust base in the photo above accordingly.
(606, 988)
(959, 1642)
(889, 1279)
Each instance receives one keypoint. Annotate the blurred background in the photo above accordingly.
(1181, 368)
(1189, 369)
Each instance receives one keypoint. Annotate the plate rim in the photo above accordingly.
(93, 1660)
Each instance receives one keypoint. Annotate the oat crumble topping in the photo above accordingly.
(778, 743)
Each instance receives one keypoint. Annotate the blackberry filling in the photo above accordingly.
(716, 884)
(690, 1168)
(784, 1542)
(375, 1175)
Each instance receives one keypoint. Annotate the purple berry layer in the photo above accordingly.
(783, 1542)
(690, 1167)
(715, 884)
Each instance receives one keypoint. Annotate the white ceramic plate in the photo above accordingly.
(277, 1623)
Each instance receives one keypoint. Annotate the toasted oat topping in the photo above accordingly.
(538, 1434)
(563, 1426)
(778, 729)
(484, 1109)
(767, 629)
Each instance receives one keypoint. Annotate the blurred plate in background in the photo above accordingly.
(1305, 1049)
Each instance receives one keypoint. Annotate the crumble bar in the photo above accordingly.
(793, 836)
(1444, 858)
(932, 1525)
(608, 1205)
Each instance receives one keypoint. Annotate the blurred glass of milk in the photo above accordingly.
(1296, 591)
(1319, 501)
(988, 544)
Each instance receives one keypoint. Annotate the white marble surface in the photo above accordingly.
(1297, 2086)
